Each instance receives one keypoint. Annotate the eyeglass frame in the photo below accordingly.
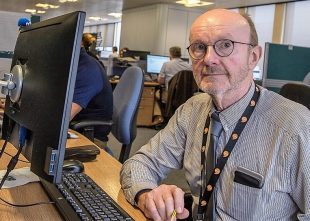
(213, 45)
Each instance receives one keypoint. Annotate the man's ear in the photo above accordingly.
(255, 55)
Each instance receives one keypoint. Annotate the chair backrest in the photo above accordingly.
(299, 93)
(181, 87)
(126, 98)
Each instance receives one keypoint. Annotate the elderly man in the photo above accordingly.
(261, 168)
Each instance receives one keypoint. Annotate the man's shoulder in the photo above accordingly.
(286, 114)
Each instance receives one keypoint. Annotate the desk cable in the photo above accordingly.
(10, 129)
(24, 161)
(11, 166)
(2, 151)
(24, 205)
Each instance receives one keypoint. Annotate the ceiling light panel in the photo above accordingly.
(64, 1)
(46, 6)
(194, 3)
(116, 15)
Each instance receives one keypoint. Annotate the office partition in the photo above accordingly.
(284, 64)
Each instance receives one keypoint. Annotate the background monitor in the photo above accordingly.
(48, 53)
(185, 59)
(134, 54)
(154, 63)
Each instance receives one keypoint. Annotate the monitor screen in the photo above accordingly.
(257, 73)
(47, 55)
(155, 62)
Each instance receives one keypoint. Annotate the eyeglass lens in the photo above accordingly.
(222, 47)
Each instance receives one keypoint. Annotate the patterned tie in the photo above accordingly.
(215, 132)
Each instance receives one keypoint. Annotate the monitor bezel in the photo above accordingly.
(53, 156)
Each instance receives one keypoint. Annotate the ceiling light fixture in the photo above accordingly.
(32, 11)
(194, 3)
(96, 18)
(64, 1)
(41, 12)
(116, 15)
(46, 6)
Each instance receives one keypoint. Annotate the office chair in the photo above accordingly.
(181, 87)
(126, 98)
(299, 93)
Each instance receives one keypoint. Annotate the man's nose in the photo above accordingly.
(210, 57)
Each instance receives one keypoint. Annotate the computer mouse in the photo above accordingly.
(73, 166)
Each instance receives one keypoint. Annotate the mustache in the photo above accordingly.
(214, 70)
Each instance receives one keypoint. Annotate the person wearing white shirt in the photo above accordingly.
(110, 61)
(172, 67)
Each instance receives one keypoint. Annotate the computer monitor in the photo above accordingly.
(257, 74)
(142, 55)
(185, 59)
(154, 63)
(47, 55)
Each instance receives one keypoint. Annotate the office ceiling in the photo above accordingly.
(101, 8)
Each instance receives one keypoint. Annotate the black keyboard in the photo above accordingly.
(78, 197)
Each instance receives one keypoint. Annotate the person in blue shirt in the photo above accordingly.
(92, 98)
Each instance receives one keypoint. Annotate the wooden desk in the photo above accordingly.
(104, 171)
(146, 83)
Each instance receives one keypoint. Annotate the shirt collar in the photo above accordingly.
(232, 114)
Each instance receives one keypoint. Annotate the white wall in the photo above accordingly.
(139, 28)
(9, 29)
(297, 20)
(263, 17)
(157, 28)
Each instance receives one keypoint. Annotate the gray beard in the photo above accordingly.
(213, 70)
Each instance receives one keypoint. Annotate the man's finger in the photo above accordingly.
(151, 210)
(183, 215)
(178, 196)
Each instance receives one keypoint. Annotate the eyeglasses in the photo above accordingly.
(222, 48)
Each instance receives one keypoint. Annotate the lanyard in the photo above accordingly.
(205, 196)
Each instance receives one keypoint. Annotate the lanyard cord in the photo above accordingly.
(205, 196)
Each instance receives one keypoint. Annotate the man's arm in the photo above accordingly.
(151, 164)
(299, 172)
(75, 109)
(161, 76)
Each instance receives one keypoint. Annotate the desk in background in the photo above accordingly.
(104, 171)
(146, 106)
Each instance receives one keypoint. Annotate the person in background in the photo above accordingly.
(2, 106)
(114, 52)
(92, 98)
(89, 42)
(170, 68)
(267, 173)
(110, 60)
(122, 51)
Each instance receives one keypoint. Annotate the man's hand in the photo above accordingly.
(159, 203)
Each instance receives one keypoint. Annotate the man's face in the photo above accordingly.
(215, 74)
